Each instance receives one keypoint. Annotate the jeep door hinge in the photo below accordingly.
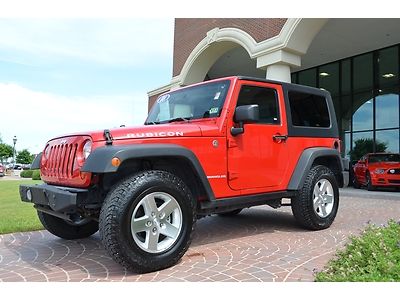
(232, 143)
(233, 175)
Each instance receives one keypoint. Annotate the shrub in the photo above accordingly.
(36, 175)
(26, 174)
(373, 256)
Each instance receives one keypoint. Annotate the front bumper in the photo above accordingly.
(59, 199)
(385, 180)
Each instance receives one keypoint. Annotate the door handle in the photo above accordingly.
(279, 138)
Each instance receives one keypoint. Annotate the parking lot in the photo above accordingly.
(260, 244)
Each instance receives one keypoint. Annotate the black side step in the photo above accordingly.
(227, 204)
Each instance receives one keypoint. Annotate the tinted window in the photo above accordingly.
(308, 110)
(265, 98)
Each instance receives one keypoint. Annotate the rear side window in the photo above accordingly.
(309, 110)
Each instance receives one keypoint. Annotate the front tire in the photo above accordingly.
(317, 202)
(67, 230)
(369, 185)
(147, 221)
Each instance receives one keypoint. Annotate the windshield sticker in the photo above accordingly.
(214, 110)
(163, 98)
(216, 97)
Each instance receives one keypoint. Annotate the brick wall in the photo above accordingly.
(189, 32)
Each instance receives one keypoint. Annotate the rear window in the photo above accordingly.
(309, 110)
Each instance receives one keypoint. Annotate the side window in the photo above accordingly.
(267, 101)
(309, 110)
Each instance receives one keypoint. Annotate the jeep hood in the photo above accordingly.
(145, 132)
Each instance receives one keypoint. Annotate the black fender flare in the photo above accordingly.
(306, 161)
(99, 161)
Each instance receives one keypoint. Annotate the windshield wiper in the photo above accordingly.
(151, 123)
(177, 119)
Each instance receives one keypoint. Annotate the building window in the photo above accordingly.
(365, 91)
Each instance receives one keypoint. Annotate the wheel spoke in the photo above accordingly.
(139, 224)
(316, 204)
(169, 230)
(152, 240)
(323, 187)
(317, 191)
(168, 207)
(149, 205)
(322, 209)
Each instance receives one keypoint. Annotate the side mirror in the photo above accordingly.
(245, 114)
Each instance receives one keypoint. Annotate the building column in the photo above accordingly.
(278, 63)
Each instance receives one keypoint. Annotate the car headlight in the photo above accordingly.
(379, 171)
(87, 148)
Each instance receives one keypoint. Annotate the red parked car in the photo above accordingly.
(377, 170)
(2, 170)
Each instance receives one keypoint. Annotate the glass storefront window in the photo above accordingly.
(390, 138)
(366, 94)
(388, 66)
(329, 78)
(345, 113)
(308, 77)
(346, 77)
(346, 145)
(363, 111)
(387, 109)
(362, 72)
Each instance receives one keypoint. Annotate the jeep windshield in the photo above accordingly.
(197, 102)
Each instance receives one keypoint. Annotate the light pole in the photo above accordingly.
(14, 156)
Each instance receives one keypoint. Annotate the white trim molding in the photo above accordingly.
(286, 48)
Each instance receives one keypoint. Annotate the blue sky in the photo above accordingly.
(65, 75)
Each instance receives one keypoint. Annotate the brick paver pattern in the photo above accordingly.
(260, 244)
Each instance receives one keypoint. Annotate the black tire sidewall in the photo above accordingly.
(328, 220)
(137, 258)
(126, 222)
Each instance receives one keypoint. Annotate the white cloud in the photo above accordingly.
(124, 42)
(35, 117)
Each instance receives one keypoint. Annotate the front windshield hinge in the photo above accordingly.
(108, 137)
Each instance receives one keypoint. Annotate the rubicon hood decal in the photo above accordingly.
(154, 134)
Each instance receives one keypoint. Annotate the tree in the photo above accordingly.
(6, 151)
(25, 157)
(364, 146)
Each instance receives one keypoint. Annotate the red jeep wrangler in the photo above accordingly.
(211, 148)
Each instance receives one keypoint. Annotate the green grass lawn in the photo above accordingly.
(16, 215)
(373, 256)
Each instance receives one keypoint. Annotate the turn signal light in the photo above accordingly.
(116, 162)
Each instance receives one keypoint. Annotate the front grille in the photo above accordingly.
(396, 181)
(61, 160)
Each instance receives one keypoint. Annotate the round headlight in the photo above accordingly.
(379, 171)
(87, 148)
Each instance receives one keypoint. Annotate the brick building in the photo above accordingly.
(357, 60)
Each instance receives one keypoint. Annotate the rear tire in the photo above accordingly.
(317, 202)
(66, 230)
(147, 221)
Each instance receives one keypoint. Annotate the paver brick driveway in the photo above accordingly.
(260, 244)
